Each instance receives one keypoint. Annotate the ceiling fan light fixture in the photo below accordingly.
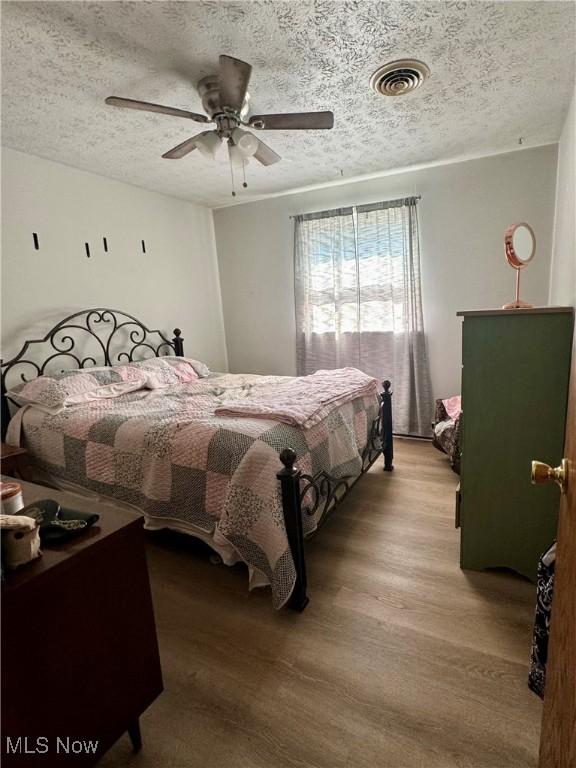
(246, 142)
(209, 144)
(226, 102)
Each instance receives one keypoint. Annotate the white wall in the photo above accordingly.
(563, 272)
(174, 284)
(464, 211)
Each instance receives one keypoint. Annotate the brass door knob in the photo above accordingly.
(543, 473)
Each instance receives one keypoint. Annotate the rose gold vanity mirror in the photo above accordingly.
(519, 246)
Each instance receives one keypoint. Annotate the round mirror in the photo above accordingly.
(520, 244)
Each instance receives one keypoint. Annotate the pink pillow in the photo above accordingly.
(160, 372)
(54, 393)
(453, 406)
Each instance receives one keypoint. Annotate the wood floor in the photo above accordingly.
(401, 660)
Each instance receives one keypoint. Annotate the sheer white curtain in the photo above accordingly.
(358, 301)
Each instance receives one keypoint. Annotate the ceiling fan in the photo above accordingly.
(225, 99)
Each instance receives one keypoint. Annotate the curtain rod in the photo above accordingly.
(415, 197)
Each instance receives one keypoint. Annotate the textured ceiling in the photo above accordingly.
(500, 70)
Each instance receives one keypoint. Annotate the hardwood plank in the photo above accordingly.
(401, 659)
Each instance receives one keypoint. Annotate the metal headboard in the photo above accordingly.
(92, 337)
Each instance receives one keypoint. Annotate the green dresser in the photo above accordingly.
(515, 373)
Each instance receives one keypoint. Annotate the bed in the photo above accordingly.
(199, 455)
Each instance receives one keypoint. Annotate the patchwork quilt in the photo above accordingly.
(305, 400)
(168, 453)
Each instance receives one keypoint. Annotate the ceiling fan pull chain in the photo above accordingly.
(244, 183)
(232, 175)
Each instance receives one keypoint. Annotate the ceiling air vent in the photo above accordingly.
(399, 77)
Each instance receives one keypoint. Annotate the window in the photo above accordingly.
(358, 301)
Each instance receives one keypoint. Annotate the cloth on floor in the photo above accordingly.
(447, 425)
(544, 596)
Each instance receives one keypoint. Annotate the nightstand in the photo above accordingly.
(14, 461)
(79, 649)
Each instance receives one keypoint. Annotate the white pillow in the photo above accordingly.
(201, 368)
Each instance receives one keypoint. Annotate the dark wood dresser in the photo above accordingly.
(80, 657)
(14, 461)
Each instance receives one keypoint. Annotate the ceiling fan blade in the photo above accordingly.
(294, 121)
(234, 79)
(183, 149)
(116, 101)
(265, 155)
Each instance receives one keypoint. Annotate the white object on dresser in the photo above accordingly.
(20, 540)
(11, 498)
